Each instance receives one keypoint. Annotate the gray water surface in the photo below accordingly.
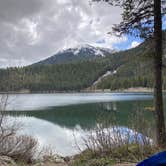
(60, 120)
(43, 101)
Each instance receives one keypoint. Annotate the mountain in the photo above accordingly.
(68, 76)
(79, 53)
(119, 70)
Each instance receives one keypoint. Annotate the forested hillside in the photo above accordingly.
(133, 69)
(138, 71)
(59, 77)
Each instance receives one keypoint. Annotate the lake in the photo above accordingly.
(60, 120)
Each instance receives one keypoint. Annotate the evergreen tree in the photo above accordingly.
(143, 18)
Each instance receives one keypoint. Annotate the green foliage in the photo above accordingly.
(138, 71)
(59, 77)
(51, 77)
(120, 154)
(132, 74)
(134, 69)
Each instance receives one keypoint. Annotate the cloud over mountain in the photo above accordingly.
(36, 29)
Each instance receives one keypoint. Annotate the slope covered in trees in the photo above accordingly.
(133, 68)
(59, 77)
(138, 72)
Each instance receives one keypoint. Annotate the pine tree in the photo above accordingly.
(143, 18)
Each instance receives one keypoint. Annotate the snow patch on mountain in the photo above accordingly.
(79, 53)
(97, 51)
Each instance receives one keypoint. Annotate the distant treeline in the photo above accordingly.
(134, 68)
(58, 77)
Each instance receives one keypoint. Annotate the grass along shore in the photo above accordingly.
(119, 156)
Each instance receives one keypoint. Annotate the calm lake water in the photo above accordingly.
(60, 120)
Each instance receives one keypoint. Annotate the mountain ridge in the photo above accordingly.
(79, 53)
(134, 68)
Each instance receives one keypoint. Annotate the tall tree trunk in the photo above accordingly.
(158, 98)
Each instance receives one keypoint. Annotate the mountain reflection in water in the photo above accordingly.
(58, 120)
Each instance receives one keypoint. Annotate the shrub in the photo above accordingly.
(117, 143)
(11, 144)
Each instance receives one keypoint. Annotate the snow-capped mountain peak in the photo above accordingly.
(78, 53)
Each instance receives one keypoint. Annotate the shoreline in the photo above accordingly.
(129, 90)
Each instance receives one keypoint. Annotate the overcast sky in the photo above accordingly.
(31, 30)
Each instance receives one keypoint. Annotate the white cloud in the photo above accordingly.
(134, 44)
(35, 29)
